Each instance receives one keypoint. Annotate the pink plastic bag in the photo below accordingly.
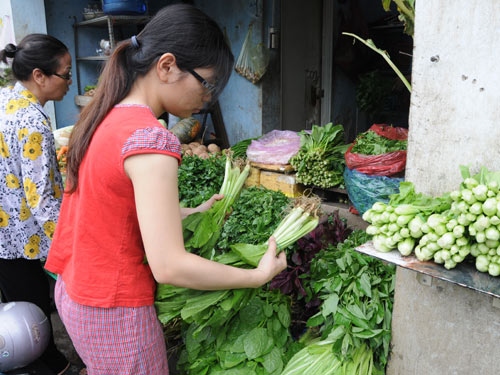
(275, 147)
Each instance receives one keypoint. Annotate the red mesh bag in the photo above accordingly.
(380, 165)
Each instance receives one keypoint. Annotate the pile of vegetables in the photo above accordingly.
(354, 318)
(320, 160)
(199, 179)
(370, 143)
(463, 222)
(255, 216)
(200, 150)
(252, 342)
(399, 223)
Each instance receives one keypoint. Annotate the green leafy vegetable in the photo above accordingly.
(370, 143)
(357, 293)
(199, 179)
(320, 160)
(255, 216)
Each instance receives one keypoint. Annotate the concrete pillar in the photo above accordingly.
(444, 328)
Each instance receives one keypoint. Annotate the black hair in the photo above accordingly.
(34, 51)
(190, 35)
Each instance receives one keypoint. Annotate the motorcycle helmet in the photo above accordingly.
(24, 334)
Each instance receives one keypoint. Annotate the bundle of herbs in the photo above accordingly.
(358, 294)
(199, 179)
(370, 143)
(255, 216)
(201, 230)
(320, 160)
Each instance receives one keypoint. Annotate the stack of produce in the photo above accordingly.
(399, 223)
(354, 319)
(446, 233)
(375, 162)
(320, 159)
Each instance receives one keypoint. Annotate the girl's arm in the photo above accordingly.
(154, 177)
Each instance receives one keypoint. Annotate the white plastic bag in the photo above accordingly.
(253, 59)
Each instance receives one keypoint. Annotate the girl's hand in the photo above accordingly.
(270, 264)
(209, 203)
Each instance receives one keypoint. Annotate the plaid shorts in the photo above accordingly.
(114, 341)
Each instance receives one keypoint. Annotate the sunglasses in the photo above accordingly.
(209, 87)
(66, 76)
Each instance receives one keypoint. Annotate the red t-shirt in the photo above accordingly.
(97, 246)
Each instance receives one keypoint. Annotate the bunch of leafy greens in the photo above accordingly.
(255, 216)
(320, 160)
(201, 230)
(370, 143)
(357, 293)
(252, 342)
(199, 179)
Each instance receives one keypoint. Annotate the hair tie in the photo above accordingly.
(134, 41)
(10, 50)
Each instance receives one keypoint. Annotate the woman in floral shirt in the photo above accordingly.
(30, 182)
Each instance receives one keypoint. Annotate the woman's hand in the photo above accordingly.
(270, 264)
(209, 203)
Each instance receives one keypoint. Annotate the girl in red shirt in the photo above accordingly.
(122, 197)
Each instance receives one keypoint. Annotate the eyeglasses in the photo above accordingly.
(66, 76)
(209, 87)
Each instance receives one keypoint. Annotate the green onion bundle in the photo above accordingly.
(301, 220)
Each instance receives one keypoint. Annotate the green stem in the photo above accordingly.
(292, 216)
(369, 43)
(227, 172)
(401, 5)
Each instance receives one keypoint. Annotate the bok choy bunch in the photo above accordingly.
(201, 230)
(477, 207)
(301, 220)
(399, 223)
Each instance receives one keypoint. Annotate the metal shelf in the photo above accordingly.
(464, 274)
(115, 20)
(93, 58)
(110, 22)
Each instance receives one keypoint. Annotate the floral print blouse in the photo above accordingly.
(30, 182)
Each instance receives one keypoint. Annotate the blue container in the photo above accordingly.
(124, 7)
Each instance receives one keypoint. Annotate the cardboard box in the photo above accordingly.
(253, 178)
(286, 183)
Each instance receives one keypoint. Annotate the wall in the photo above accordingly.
(445, 328)
(61, 15)
(246, 109)
(242, 102)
